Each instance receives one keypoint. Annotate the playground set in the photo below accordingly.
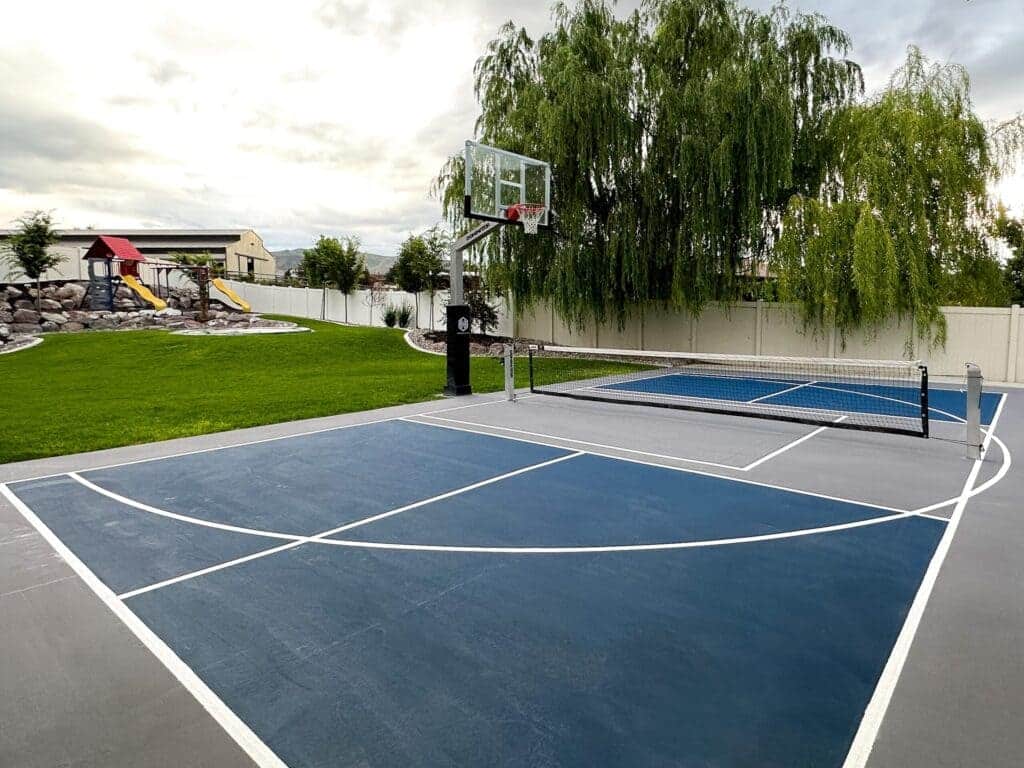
(111, 257)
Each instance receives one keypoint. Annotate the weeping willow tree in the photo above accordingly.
(695, 142)
(901, 222)
(676, 137)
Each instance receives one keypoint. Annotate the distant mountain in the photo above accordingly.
(375, 262)
(378, 264)
(287, 259)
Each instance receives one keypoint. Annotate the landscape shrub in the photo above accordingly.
(404, 316)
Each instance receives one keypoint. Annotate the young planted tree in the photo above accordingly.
(900, 222)
(27, 251)
(334, 261)
(419, 262)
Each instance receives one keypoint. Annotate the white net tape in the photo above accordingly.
(530, 216)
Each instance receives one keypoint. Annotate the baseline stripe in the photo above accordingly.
(253, 746)
(874, 713)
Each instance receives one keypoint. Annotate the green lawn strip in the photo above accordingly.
(88, 391)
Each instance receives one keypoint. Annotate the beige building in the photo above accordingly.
(240, 251)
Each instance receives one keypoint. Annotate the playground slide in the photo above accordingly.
(144, 293)
(233, 297)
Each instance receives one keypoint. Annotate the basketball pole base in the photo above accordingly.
(459, 325)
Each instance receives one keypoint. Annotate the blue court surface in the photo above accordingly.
(400, 593)
(867, 398)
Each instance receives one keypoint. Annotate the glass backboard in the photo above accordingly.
(497, 179)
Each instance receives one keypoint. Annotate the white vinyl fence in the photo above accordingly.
(992, 337)
(362, 307)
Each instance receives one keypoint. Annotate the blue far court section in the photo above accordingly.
(878, 399)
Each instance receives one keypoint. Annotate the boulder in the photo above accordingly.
(496, 350)
(50, 305)
(77, 316)
(71, 292)
(177, 323)
(123, 292)
(67, 304)
(24, 304)
(192, 324)
(169, 312)
(69, 326)
(124, 305)
(53, 317)
(185, 302)
(5, 332)
(26, 316)
(50, 327)
(103, 323)
(6, 316)
(24, 328)
(12, 293)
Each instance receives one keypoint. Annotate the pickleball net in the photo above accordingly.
(876, 395)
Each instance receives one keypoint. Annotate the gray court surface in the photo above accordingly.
(546, 582)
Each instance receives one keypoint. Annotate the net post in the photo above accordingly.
(974, 382)
(533, 348)
(510, 372)
(924, 400)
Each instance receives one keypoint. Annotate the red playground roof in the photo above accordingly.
(107, 247)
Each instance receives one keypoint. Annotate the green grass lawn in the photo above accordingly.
(86, 391)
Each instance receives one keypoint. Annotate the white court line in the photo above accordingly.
(175, 516)
(687, 470)
(940, 518)
(783, 449)
(250, 743)
(621, 547)
(319, 537)
(210, 449)
(999, 475)
(245, 443)
(211, 569)
(782, 392)
(874, 714)
(576, 442)
(809, 409)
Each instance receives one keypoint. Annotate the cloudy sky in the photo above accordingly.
(327, 116)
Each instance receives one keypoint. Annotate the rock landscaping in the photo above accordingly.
(479, 344)
(63, 307)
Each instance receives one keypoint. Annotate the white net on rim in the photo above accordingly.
(530, 216)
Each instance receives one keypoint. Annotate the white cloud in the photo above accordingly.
(320, 115)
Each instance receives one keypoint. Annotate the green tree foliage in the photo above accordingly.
(27, 250)
(1011, 230)
(202, 259)
(695, 141)
(419, 262)
(334, 261)
(900, 223)
(676, 136)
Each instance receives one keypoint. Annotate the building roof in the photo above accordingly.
(108, 247)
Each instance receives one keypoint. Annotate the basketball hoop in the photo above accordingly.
(528, 215)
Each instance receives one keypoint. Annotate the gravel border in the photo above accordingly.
(20, 344)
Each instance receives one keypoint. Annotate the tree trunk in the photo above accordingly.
(39, 293)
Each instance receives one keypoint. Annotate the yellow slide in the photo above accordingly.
(233, 297)
(144, 293)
